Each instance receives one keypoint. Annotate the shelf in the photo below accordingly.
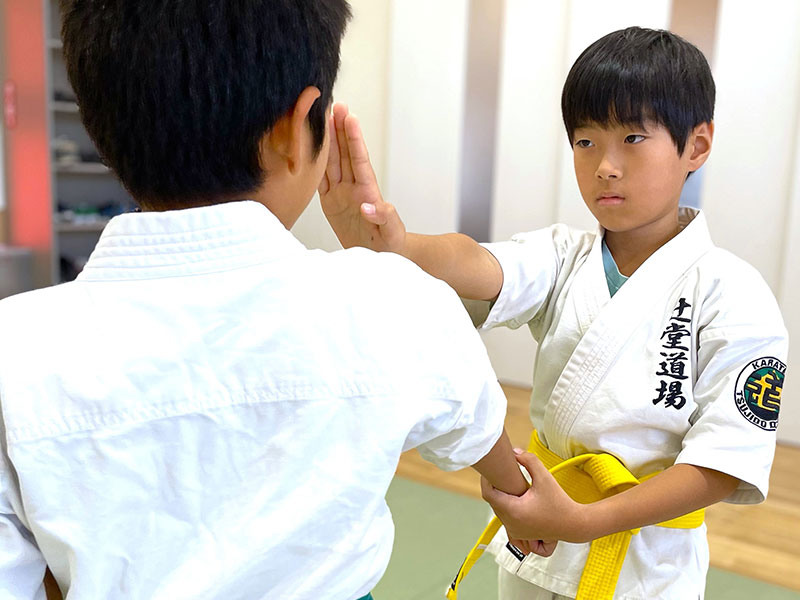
(55, 44)
(86, 227)
(64, 107)
(82, 168)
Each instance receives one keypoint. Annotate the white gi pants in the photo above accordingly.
(511, 587)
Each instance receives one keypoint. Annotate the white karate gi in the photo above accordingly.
(610, 376)
(212, 411)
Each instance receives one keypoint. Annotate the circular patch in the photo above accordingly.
(758, 392)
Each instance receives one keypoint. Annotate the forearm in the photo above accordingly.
(676, 491)
(471, 270)
(501, 469)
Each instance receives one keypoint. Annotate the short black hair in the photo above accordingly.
(636, 75)
(176, 94)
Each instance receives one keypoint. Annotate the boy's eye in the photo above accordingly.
(584, 143)
(634, 138)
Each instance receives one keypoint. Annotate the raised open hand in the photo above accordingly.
(349, 193)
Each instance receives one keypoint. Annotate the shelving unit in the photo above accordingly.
(81, 227)
(85, 192)
(81, 168)
(64, 107)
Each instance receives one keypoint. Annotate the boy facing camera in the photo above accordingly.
(661, 358)
(211, 410)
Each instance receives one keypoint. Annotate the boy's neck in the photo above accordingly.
(285, 204)
(631, 249)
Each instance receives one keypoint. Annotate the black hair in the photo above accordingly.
(636, 75)
(176, 94)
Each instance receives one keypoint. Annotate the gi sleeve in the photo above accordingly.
(742, 351)
(22, 565)
(465, 432)
(531, 263)
(462, 418)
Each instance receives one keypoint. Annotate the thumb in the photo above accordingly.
(532, 464)
(380, 213)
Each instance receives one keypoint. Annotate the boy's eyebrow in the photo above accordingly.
(644, 125)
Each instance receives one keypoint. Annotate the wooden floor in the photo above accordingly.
(762, 541)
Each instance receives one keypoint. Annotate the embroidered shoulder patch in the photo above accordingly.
(758, 392)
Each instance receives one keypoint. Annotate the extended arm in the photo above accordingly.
(22, 566)
(545, 511)
(355, 209)
(500, 469)
(466, 266)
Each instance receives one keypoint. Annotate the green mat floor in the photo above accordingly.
(434, 529)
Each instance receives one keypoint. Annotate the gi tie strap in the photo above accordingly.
(586, 478)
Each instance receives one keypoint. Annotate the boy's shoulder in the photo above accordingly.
(39, 326)
(562, 236)
(725, 268)
(385, 274)
(563, 243)
(39, 310)
(735, 291)
(392, 283)
(36, 309)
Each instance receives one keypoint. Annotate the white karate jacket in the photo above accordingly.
(213, 411)
(683, 365)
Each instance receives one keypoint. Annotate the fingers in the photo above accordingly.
(339, 115)
(540, 547)
(523, 546)
(333, 170)
(532, 464)
(359, 156)
(543, 548)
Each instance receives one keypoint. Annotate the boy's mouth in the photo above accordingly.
(610, 199)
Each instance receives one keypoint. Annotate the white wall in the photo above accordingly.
(529, 116)
(427, 74)
(749, 171)
(534, 179)
(484, 41)
(752, 185)
(363, 85)
(789, 298)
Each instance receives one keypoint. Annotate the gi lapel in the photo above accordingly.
(607, 325)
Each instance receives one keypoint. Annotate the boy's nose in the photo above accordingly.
(608, 169)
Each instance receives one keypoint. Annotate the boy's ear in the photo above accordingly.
(699, 145)
(289, 136)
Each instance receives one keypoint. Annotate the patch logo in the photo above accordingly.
(758, 392)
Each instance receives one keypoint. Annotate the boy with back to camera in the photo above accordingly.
(212, 411)
(659, 353)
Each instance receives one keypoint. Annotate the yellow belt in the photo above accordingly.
(586, 478)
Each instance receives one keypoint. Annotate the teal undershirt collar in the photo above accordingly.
(614, 278)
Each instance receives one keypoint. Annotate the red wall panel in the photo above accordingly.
(27, 137)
